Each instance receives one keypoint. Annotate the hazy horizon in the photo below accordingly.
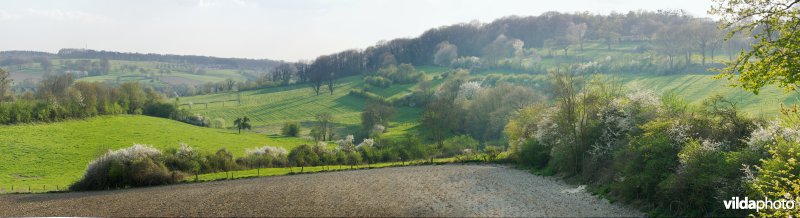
(278, 30)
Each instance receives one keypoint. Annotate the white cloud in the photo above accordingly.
(4, 15)
(65, 15)
(212, 3)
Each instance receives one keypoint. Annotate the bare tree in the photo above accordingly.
(576, 33)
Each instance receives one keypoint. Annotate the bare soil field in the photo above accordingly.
(445, 190)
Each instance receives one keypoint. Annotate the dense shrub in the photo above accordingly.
(458, 144)
(533, 154)
(369, 96)
(491, 153)
(374, 114)
(377, 81)
(185, 159)
(777, 176)
(291, 129)
(194, 119)
(160, 109)
(698, 176)
(303, 156)
(138, 165)
(644, 163)
(267, 156)
(220, 161)
(400, 74)
(218, 123)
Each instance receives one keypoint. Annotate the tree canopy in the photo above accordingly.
(775, 57)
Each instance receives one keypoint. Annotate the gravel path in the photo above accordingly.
(444, 190)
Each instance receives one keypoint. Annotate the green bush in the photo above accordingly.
(645, 163)
(377, 81)
(693, 189)
(291, 129)
(492, 152)
(221, 161)
(218, 123)
(160, 109)
(185, 159)
(457, 145)
(303, 156)
(534, 154)
(779, 177)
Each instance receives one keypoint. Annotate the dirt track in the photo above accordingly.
(446, 190)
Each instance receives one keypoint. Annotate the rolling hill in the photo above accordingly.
(57, 153)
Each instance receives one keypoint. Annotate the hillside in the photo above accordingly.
(57, 153)
(269, 108)
(147, 72)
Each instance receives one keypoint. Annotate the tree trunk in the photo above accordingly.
(671, 61)
(688, 58)
(704, 55)
(712, 55)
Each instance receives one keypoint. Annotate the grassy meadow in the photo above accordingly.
(57, 153)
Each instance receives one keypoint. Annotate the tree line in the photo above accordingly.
(59, 97)
(670, 33)
(223, 63)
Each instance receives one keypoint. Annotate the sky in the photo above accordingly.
(280, 30)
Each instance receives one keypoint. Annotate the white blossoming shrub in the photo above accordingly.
(468, 90)
(138, 165)
(185, 159)
(622, 117)
(777, 177)
(366, 143)
(771, 133)
(266, 156)
(346, 144)
(547, 128)
(377, 130)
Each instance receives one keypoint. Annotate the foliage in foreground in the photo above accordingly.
(676, 159)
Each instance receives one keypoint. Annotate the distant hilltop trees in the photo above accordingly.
(224, 63)
(17, 57)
